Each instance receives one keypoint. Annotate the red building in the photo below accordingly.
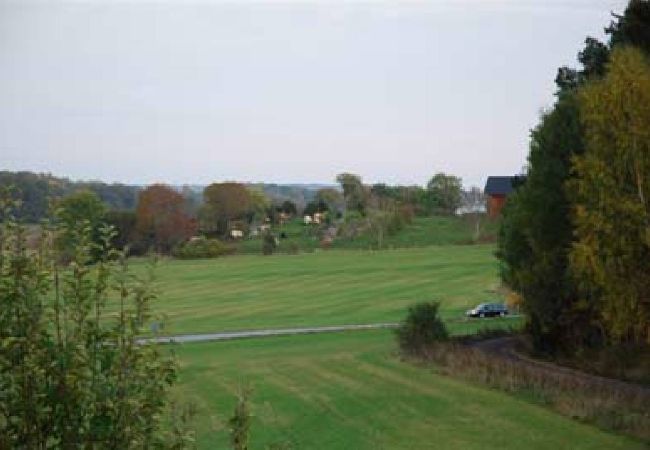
(497, 190)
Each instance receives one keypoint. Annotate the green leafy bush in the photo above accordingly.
(202, 248)
(421, 328)
(72, 373)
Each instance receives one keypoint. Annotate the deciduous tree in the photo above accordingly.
(332, 198)
(259, 204)
(445, 192)
(161, 218)
(223, 203)
(354, 192)
(80, 207)
(611, 257)
(124, 222)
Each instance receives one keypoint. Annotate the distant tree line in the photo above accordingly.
(575, 238)
(37, 191)
(161, 217)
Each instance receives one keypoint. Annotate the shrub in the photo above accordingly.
(72, 374)
(202, 248)
(269, 243)
(422, 328)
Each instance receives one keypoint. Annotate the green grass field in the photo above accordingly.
(350, 391)
(423, 231)
(322, 288)
(347, 390)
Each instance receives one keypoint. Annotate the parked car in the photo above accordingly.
(488, 310)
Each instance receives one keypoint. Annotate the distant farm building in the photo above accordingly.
(497, 190)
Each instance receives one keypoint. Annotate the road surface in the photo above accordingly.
(228, 335)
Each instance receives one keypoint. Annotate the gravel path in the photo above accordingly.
(228, 335)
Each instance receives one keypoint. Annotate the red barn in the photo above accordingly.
(497, 190)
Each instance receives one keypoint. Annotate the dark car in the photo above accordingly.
(488, 310)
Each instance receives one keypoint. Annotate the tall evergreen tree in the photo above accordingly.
(536, 230)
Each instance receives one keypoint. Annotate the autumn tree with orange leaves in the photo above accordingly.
(161, 218)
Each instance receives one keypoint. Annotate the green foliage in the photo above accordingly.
(611, 255)
(413, 232)
(227, 202)
(332, 198)
(593, 58)
(71, 374)
(259, 205)
(289, 207)
(124, 225)
(415, 198)
(445, 193)
(80, 206)
(354, 192)
(387, 220)
(36, 192)
(269, 243)
(537, 233)
(422, 328)
(630, 28)
(83, 207)
(201, 247)
(536, 230)
(316, 206)
(633, 27)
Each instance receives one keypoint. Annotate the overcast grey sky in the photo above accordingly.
(199, 91)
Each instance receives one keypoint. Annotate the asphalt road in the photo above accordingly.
(228, 335)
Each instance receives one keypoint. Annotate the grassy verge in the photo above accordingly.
(351, 390)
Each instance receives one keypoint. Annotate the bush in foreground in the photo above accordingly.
(202, 248)
(73, 375)
(422, 328)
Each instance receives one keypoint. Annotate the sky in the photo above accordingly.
(195, 92)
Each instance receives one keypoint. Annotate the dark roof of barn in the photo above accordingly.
(499, 185)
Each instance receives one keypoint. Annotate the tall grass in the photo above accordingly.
(608, 404)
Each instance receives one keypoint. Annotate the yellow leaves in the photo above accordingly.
(611, 210)
(616, 110)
